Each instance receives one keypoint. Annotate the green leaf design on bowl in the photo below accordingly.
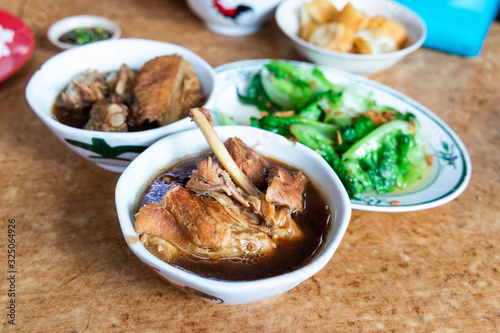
(370, 200)
(447, 154)
(101, 147)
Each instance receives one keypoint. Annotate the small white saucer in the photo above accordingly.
(67, 24)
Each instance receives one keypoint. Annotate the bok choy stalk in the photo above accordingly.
(286, 87)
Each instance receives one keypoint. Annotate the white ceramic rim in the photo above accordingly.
(140, 135)
(125, 213)
(422, 111)
(80, 21)
(280, 17)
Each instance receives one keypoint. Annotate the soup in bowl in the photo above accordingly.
(81, 79)
(237, 266)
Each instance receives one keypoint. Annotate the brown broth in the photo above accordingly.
(289, 254)
(78, 118)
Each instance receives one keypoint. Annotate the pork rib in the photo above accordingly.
(108, 115)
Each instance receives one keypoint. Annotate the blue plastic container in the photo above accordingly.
(455, 26)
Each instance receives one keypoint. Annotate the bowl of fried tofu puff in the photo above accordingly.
(110, 100)
(236, 216)
(359, 36)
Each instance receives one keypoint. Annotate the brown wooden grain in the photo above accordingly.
(435, 270)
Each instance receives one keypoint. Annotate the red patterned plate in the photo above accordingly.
(21, 46)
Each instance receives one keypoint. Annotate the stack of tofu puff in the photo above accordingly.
(349, 30)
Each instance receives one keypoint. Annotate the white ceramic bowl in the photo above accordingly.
(233, 17)
(166, 152)
(111, 151)
(67, 24)
(287, 18)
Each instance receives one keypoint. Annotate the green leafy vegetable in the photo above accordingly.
(256, 95)
(281, 125)
(313, 111)
(369, 146)
(389, 155)
(291, 87)
(319, 141)
(350, 134)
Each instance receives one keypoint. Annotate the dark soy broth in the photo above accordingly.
(289, 254)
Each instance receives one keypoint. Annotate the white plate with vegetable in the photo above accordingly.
(391, 153)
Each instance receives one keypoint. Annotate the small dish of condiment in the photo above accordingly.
(82, 29)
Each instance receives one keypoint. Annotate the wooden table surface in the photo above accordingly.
(435, 270)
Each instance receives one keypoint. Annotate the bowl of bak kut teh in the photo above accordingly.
(109, 100)
(233, 222)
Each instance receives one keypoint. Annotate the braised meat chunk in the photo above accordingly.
(211, 179)
(121, 83)
(286, 189)
(108, 115)
(206, 225)
(155, 220)
(166, 88)
(84, 89)
(247, 160)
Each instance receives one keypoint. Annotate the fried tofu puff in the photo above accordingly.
(348, 30)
